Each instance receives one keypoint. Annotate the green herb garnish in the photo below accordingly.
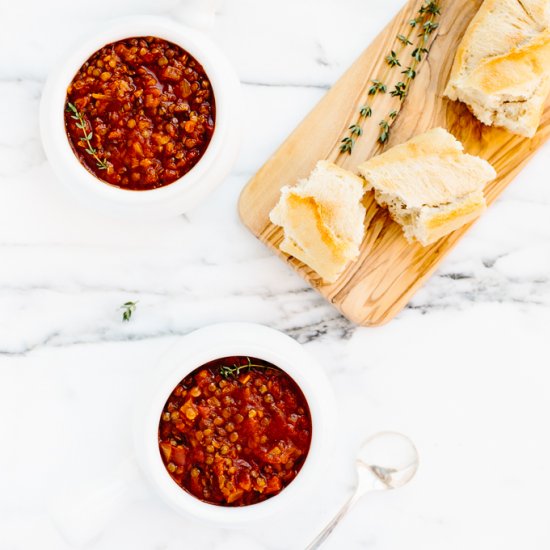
(356, 130)
(377, 87)
(392, 60)
(365, 111)
(228, 372)
(404, 40)
(128, 309)
(87, 136)
(384, 131)
(426, 25)
(399, 91)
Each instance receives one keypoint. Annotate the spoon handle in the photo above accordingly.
(323, 535)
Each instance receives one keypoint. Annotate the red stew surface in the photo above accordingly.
(235, 431)
(140, 113)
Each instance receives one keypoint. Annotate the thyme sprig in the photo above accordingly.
(228, 372)
(128, 309)
(425, 21)
(87, 136)
(401, 88)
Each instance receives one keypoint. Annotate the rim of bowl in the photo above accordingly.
(227, 340)
(225, 86)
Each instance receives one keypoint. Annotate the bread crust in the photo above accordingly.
(322, 219)
(433, 225)
(505, 83)
(428, 170)
(319, 248)
(430, 186)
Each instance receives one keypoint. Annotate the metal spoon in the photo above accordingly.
(387, 460)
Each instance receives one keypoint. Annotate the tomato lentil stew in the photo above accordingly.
(140, 113)
(235, 431)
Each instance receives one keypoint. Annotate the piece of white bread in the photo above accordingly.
(323, 219)
(430, 186)
(502, 66)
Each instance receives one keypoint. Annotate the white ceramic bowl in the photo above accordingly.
(194, 186)
(217, 341)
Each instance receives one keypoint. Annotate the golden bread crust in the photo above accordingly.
(505, 85)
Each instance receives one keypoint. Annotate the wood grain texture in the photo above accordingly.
(389, 270)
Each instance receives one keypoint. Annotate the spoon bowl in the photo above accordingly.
(391, 457)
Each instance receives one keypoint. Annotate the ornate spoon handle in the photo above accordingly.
(323, 535)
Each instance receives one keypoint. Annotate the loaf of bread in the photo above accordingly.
(323, 219)
(502, 67)
(430, 186)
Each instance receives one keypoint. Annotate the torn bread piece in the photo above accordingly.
(429, 185)
(502, 66)
(323, 219)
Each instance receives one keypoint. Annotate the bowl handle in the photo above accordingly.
(82, 513)
(200, 14)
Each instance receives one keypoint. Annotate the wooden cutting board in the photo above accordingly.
(389, 270)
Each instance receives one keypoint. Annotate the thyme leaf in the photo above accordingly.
(365, 111)
(356, 130)
(376, 87)
(399, 91)
(384, 131)
(404, 40)
(347, 145)
(392, 60)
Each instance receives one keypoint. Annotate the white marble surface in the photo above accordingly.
(464, 370)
